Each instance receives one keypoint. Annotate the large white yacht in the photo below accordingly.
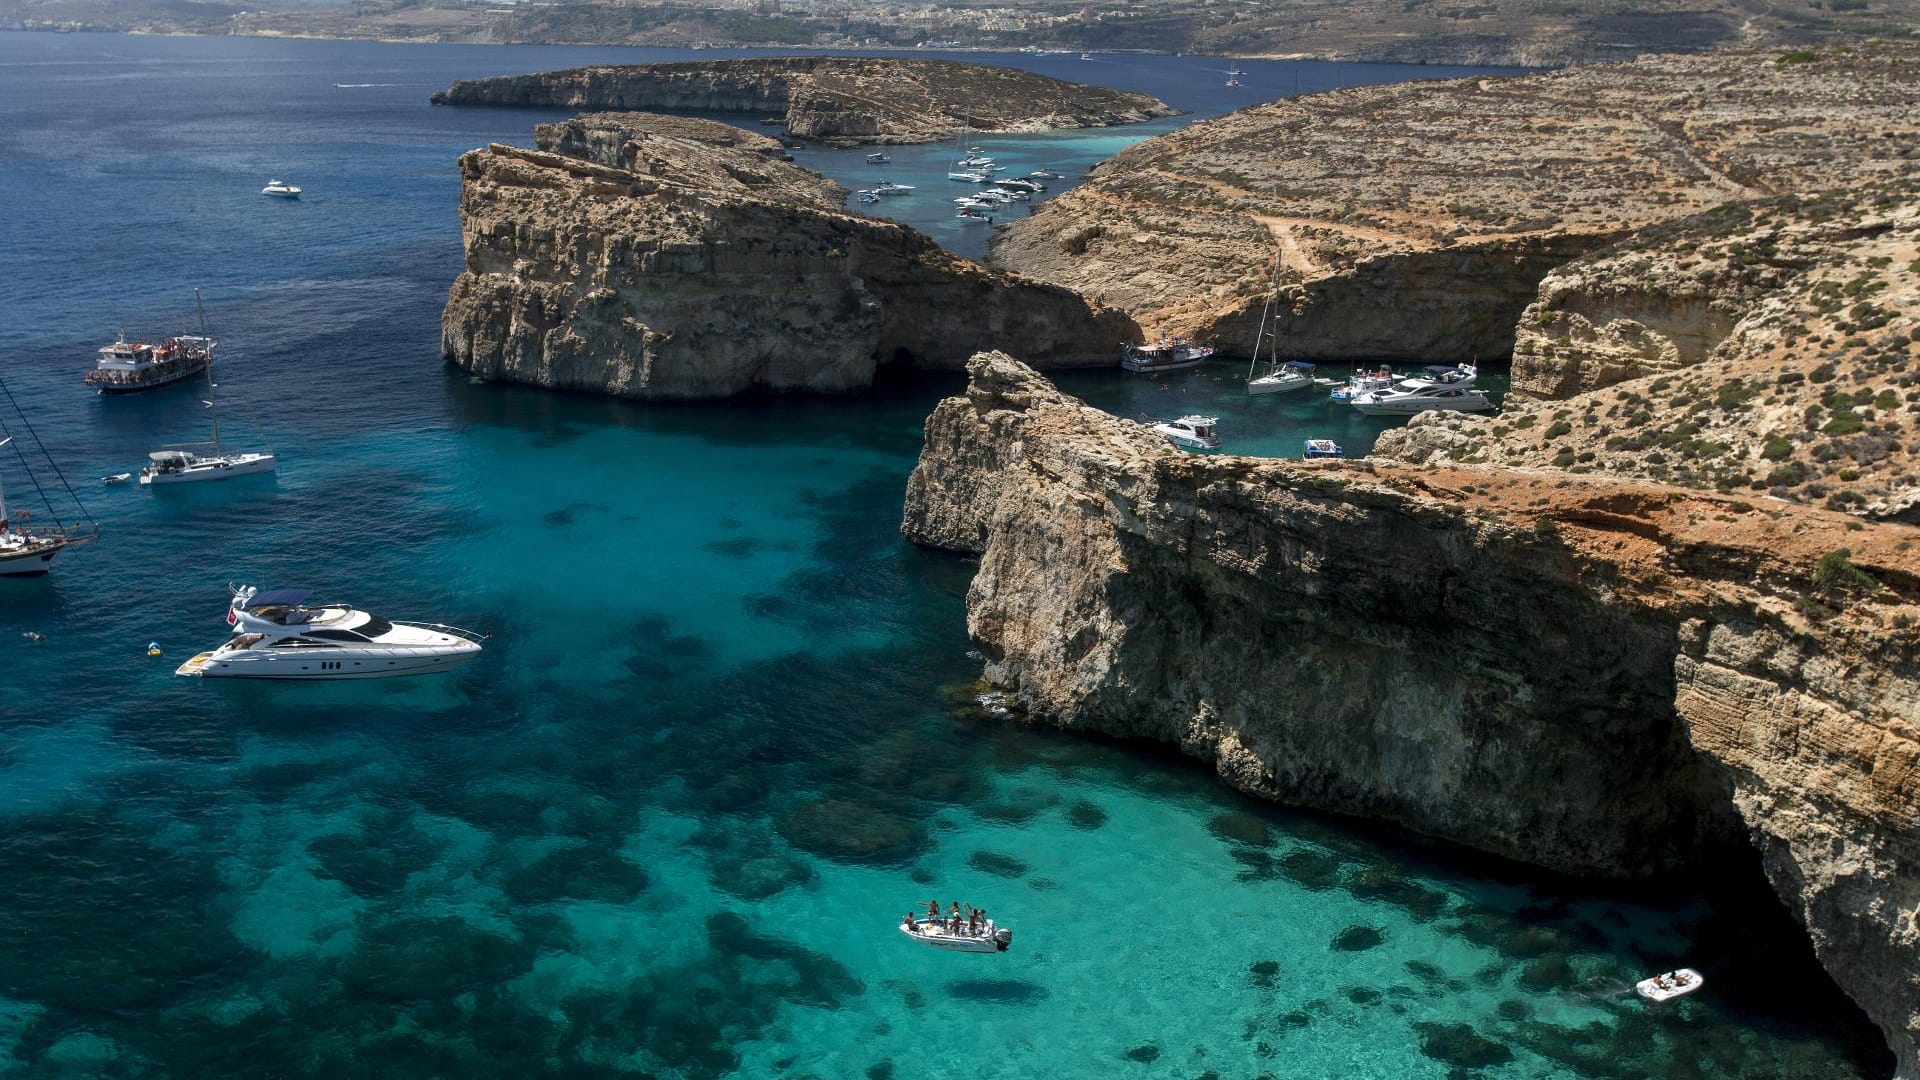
(280, 189)
(1457, 377)
(281, 635)
(185, 466)
(1398, 402)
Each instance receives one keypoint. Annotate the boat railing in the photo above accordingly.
(471, 635)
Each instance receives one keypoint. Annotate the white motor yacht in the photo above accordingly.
(280, 189)
(1283, 378)
(935, 933)
(281, 635)
(967, 176)
(1189, 432)
(1396, 402)
(879, 157)
(1457, 377)
(888, 187)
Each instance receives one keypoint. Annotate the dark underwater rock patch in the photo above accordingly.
(418, 958)
(1385, 886)
(819, 979)
(1239, 827)
(758, 876)
(1461, 1047)
(738, 547)
(998, 991)
(1145, 1054)
(1311, 869)
(1363, 995)
(577, 872)
(853, 832)
(1006, 813)
(1086, 815)
(1256, 864)
(1358, 939)
(1512, 1009)
(1547, 973)
(1261, 973)
(992, 862)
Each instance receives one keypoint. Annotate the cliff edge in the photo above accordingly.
(662, 257)
(1631, 674)
(1416, 221)
(839, 99)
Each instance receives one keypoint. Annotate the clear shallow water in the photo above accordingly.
(720, 740)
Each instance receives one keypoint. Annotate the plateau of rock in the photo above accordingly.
(1417, 221)
(845, 100)
(648, 256)
(1633, 675)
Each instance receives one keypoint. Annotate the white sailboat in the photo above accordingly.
(28, 550)
(1279, 378)
(181, 466)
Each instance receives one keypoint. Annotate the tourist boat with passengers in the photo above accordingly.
(1362, 382)
(280, 634)
(939, 934)
(126, 367)
(1162, 355)
(1398, 402)
(1665, 987)
(1457, 377)
(280, 189)
(1189, 432)
(1321, 448)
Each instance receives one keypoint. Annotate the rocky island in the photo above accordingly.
(1417, 221)
(845, 100)
(1633, 676)
(650, 256)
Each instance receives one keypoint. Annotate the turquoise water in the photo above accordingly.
(722, 737)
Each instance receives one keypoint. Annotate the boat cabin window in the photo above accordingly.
(375, 626)
(302, 643)
(337, 635)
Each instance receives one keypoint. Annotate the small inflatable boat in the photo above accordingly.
(1673, 984)
(934, 934)
(116, 478)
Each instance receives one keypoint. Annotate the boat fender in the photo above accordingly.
(153, 648)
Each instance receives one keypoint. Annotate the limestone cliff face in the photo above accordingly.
(703, 267)
(1414, 221)
(1592, 674)
(839, 99)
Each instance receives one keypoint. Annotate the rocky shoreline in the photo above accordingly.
(657, 257)
(1598, 675)
(840, 100)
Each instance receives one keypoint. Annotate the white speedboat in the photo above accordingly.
(1321, 448)
(1043, 174)
(1673, 984)
(1163, 355)
(1395, 402)
(879, 157)
(280, 635)
(967, 176)
(935, 933)
(1283, 378)
(867, 196)
(1458, 377)
(975, 161)
(968, 213)
(1189, 432)
(280, 189)
(1362, 382)
(888, 187)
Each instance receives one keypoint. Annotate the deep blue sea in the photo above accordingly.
(723, 735)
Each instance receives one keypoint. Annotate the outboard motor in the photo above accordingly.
(1003, 938)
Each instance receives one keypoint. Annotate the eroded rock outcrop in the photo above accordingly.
(1764, 347)
(841, 99)
(659, 257)
(1631, 675)
(1414, 221)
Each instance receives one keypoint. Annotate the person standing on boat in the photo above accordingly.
(933, 909)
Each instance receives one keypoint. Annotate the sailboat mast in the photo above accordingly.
(3, 492)
(211, 411)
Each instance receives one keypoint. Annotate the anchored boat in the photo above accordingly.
(1163, 355)
(180, 466)
(1677, 983)
(939, 934)
(280, 189)
(281, 635)
(1321, 448)
(125, 367)
(1397, 402)
(1190, 432)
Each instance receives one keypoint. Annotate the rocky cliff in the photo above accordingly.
(839, 99)
(660, 257)
(1416, 221)
(1769, 347)
(1593, 674)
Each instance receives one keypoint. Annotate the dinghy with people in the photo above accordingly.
(1665, 987)
(972, 932)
